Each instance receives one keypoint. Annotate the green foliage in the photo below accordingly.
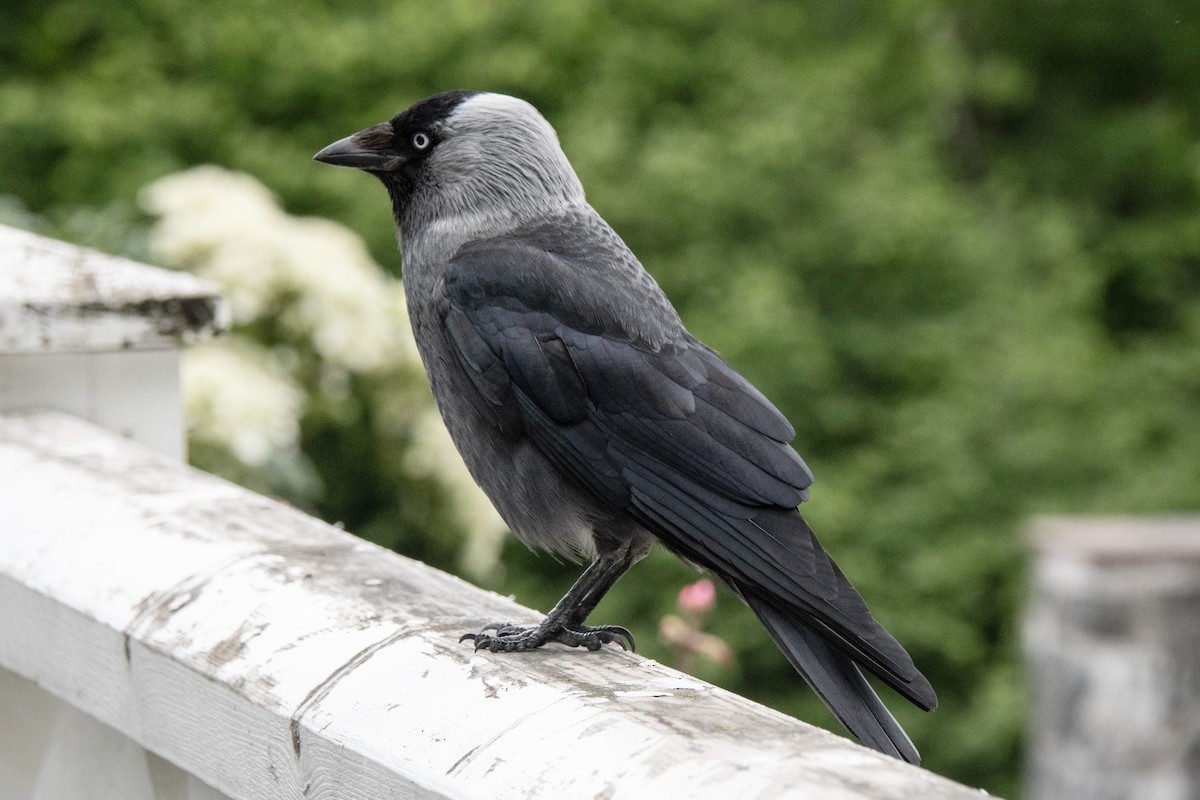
(958, 244)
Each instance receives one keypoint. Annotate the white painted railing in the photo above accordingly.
(167, 635)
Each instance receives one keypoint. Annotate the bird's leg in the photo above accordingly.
(564, 623)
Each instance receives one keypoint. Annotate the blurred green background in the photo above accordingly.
(957, 243)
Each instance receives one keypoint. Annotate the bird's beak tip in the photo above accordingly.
(346, 153)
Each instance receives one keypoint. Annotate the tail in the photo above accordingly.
(837, 680)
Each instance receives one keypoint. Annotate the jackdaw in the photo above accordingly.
(590, 416)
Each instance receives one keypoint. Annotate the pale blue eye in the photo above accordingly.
(421, 140)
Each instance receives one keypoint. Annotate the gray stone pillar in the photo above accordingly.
(1113, 646)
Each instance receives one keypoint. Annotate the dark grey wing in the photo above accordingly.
(566, 364)
(663, 428)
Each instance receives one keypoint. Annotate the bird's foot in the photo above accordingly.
(509, 638)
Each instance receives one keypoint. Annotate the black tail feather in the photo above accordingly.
(837, 680)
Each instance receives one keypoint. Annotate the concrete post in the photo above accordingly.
(1113, 642)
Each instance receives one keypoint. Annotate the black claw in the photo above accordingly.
(621, 636)
(595, 638)
(508, 638)
(483, 639)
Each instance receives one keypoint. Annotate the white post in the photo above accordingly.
(99, 336)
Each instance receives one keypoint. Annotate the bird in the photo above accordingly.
(593, 420)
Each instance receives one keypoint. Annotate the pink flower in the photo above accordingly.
(698, 597)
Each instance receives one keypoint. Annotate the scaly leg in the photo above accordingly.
(564, 623)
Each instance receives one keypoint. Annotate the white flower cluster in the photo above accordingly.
(227, 226)
(316, 280)
(239, 397)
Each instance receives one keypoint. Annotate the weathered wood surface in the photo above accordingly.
(56, 297)
(273, 656)
(50, 750)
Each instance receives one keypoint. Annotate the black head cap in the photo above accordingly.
(431, 111)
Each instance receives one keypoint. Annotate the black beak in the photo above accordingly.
(345, 153)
